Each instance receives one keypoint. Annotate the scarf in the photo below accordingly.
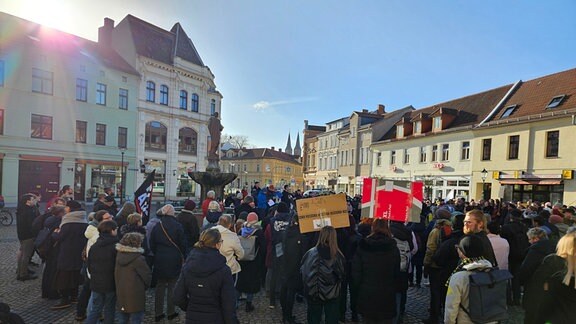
(469, 264)
(74, 217)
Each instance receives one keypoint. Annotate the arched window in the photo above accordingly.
(164, 94)
(188, 141)
(183, 99)
(212, 107)
(156, 134)
(195, 102)
(150, 91)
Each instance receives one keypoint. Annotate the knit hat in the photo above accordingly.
(555, 219)
(443, 213)
(252, 217)
(282, 208)
(471, 246)
(132, 239)
(74, 205)
(190, 205)
(168, 210)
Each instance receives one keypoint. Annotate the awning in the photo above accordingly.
(531, 182)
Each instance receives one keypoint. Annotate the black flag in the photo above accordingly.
(143, 197)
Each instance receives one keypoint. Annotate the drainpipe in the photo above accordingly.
(499, 105)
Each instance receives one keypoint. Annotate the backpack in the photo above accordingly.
(43, 242)
(405, 254)
(249, 247)
(487, 296)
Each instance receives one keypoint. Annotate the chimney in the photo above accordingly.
(381, 110)
(305, 124)
(364, 110)
(272, 148)
(280, 150)
(105, 32)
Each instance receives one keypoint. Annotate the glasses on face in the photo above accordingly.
(469, 222)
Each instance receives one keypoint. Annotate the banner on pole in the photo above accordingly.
(143, 197)
(392, 199)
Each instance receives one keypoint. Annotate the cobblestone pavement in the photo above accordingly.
(24, 297)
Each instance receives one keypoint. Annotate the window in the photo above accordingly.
(257, 167)
(406, 156)
(513, 147)
(195, 102)
(183, 99)
(465, 151)
(392, 157)
(81, 127)
(100, 134)
(100, 94)
(438, 122)
(81, 90)
(212, 106)
(187, 141)
(123, 99)
(552, 143)
(122, 137)
(434, 153)
(164, 94)
(417, 127)
(352, 156)
(422, 154)
(1, 73)
(378, 158)
(556, 101)
(155, 137)
(42, 81)
(445, 152)
(486, 149)
(1, 121)
(150, 91)
(400, 131)
(509, 111)
(41, 127)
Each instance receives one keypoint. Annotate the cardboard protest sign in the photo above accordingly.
(315, 213)
(394, 200)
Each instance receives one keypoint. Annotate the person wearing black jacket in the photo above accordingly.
(51, 223)
(247, 206)
(515, 233)
(294, 249)
(26, 212)
(401, 233)
(205, 289)
(189, 223)
(101, 264)
(375, 269)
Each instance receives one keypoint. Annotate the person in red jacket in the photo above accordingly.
(210, 195)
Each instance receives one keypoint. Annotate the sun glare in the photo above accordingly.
(50, 13)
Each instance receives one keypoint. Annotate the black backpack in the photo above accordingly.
(487, 296)
(43, 242)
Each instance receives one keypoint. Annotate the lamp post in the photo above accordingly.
(484, 174)
(123, 173)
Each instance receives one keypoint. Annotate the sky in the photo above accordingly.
(280, 62)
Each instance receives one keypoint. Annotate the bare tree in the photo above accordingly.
(238, 141)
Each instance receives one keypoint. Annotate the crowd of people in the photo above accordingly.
(210, 263)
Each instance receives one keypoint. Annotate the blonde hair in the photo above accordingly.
(479, 216)
(327, 237)
(214, 206)
(133, 219)
(208, 239)
(566, 249)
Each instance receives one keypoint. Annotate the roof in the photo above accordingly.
(16, 30)
(262, 153)
(160, 44)
(316, 128)
(532, 97)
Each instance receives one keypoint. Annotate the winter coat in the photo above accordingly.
(191, 228)
(204, 206)
(101, 262)
(91, 235)
(168, 252)
(132, 276)
(250, 278)
(446, 256)
(458, 293)
(515, 233)
(536, 298)
(536, 253)
(375, 268)
(322, 276)
(562, 308)
(419, 231)
(129, 228)
(243, 208)
(488, 250)
(205, 289)
(231, 248)
(71, 241)
(25, 216)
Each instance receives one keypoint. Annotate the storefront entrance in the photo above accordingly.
(41, 177)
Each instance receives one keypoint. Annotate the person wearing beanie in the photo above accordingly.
(471, 253)
(189, 223)
(558, 221)
(252, 274)
(277, 225)
(168, 244)
(132, 276)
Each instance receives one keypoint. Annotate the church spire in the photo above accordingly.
(288, 149)
(297, 148)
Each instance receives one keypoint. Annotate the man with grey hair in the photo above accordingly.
(231, 248)
(210, 196)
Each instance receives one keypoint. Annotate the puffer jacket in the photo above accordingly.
(322, 276)
(231, 248)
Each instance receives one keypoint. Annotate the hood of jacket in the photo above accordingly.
(212, 217)
(477, 265)
(378, 243)
(106, 239)
(127, 254)
(202, 262)
(74, 217)
(91, 231)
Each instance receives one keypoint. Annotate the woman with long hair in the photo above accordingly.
(322, 275)
(205, 289)
(375, 268)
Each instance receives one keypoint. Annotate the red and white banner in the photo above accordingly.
(392, 199)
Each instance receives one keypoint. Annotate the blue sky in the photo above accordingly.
(280, 62)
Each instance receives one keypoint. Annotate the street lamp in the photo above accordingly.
(123, 173)
(484, 174)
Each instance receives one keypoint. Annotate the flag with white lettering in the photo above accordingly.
(143, 197)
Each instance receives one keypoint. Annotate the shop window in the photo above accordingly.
(188, 141)
(100, 134)
(155, 137)
(41, 126)
(42, 81)
(81, 90)
(552, 143)
(81, 131)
